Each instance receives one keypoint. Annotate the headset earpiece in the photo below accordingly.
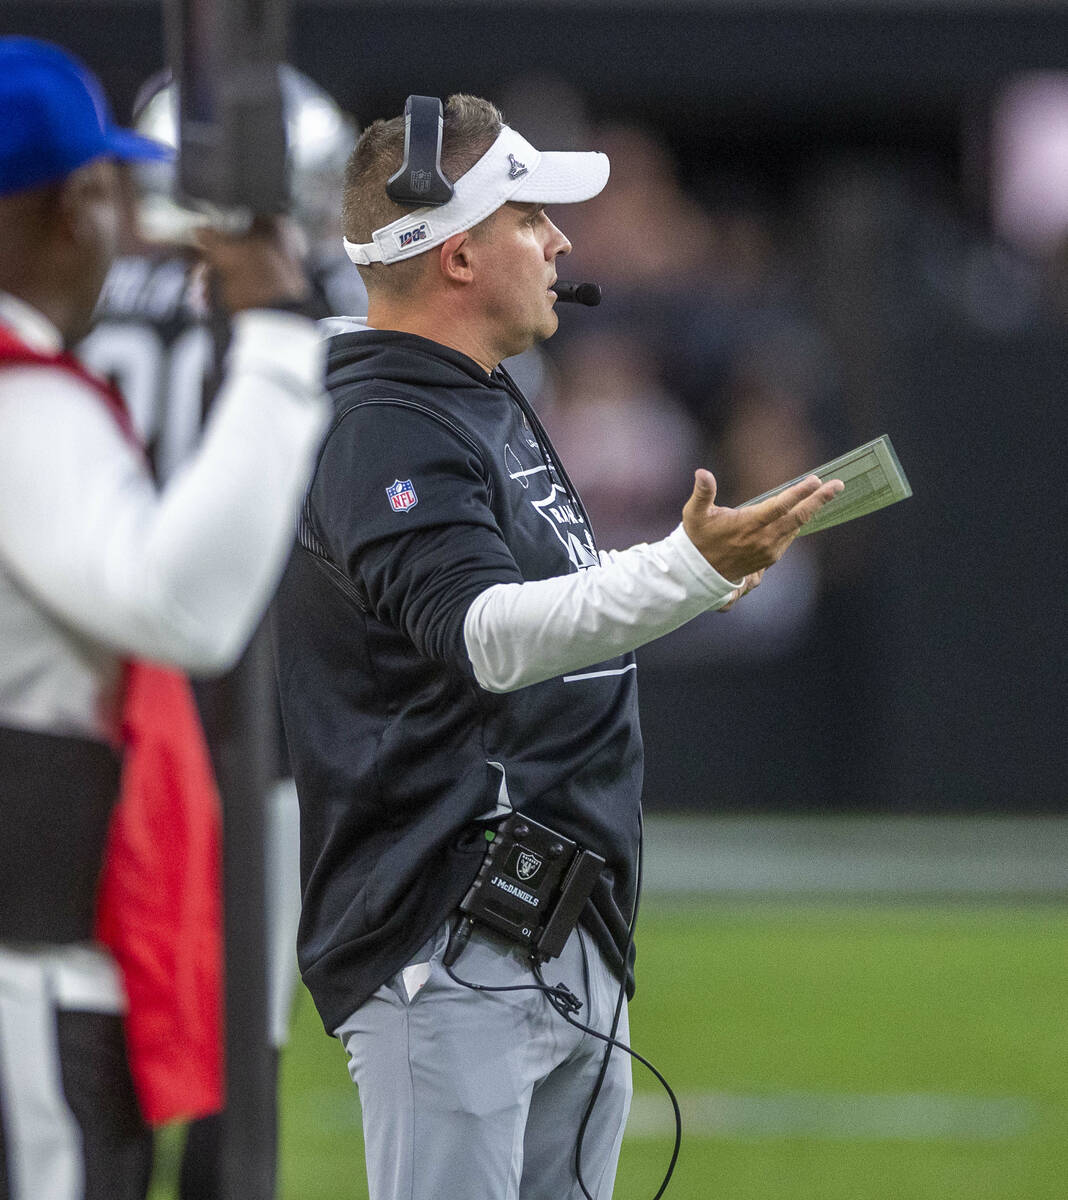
(419, 180)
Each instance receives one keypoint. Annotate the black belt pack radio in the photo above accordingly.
(533, 885)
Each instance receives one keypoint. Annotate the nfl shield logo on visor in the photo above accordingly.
(402, 495)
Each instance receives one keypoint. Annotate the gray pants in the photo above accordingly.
(479, 1096)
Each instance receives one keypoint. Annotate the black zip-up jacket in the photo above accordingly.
(435, 482)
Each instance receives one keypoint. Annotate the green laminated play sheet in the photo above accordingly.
(873, 479)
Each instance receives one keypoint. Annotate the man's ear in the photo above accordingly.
(455, 258)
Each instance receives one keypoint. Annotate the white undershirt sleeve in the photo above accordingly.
(180, 576)
(522, 633)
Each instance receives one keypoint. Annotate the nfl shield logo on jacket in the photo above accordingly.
(402, 495)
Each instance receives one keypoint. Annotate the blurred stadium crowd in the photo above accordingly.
(907, 281)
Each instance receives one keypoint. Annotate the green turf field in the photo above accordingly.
(821, 1051)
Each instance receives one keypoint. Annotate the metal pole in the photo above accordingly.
(244, 731)
(232, 151)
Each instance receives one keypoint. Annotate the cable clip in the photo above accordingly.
(566, 998)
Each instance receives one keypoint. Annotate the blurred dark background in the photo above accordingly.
(825, 222)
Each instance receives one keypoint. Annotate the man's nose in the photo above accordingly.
(558, 242)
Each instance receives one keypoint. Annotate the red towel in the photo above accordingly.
(159, 906)
(159, 910)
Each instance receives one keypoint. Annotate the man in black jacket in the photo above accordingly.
(453, 647)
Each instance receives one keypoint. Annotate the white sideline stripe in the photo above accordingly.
(908, 1117)
(739, 856)
(601, 674)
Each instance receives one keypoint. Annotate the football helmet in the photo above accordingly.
(319, 136)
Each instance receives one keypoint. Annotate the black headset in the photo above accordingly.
(419, 180)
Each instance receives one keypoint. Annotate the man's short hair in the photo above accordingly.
(470, 128)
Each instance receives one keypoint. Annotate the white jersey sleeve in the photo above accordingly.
(180, 576)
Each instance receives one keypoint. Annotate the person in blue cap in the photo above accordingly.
(100, 571)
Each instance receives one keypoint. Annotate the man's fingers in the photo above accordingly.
(704, 487)
(776, 507)
(799, 504)
(751, 581)
(807, 509)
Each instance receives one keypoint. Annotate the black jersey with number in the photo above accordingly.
(434, 484)
(155, 337)
(152, 339)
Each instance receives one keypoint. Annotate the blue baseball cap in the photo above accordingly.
(55, 118)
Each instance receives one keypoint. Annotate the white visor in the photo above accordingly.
(510, 170)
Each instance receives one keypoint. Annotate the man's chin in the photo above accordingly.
(539, 334)
(548, 327)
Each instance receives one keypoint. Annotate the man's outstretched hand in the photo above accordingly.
(740, 542)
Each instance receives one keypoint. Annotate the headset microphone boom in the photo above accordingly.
(578, 293)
